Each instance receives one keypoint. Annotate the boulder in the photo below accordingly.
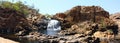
(105, 35)
(74, 27)
(99, 34)
(72, 41)
(61, 41)
(116, 18)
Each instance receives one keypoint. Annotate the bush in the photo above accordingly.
(19, 6)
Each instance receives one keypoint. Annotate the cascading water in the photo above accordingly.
(53, 27)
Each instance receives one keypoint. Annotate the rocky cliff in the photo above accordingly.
(116, 18)
(13, 21)
(90, 21)
(84, 13)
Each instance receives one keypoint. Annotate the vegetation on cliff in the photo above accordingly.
(19, 6)
(15, 17)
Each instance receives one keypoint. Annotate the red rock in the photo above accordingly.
(12, 20)
(87, 13)
(60, 16)
(84, 13)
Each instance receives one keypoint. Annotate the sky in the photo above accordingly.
(57, 6)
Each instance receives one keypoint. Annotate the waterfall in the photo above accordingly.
(53, 27)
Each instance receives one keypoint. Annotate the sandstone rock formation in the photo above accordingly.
(89, 21)
(103, 35)
(83, 13)
(60, 16)
(116, 18)
(12, 21)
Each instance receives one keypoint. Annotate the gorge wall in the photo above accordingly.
(83, 13)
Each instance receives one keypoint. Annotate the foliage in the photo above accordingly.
(18, 6)
(103, 23)
(110, 31)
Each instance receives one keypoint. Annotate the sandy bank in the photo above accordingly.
(3, 40)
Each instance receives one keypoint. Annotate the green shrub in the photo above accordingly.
(18, 6)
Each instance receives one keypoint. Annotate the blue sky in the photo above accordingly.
(56, 6)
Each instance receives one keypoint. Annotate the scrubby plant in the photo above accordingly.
(103, 23)
(19, 6)
(109, 31)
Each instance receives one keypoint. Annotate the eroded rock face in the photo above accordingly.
(60, 16)
(116, 18)
(81, 14)
(12, 20)
(84, 13)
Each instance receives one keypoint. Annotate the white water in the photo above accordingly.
(53, 27)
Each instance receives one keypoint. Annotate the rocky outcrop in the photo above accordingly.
(116, 18)
(106, 35)
(87, 13)
(83, 13)
(76, 38)
(88, 20)
(60, 16)
(12, 21)
(88, 28)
